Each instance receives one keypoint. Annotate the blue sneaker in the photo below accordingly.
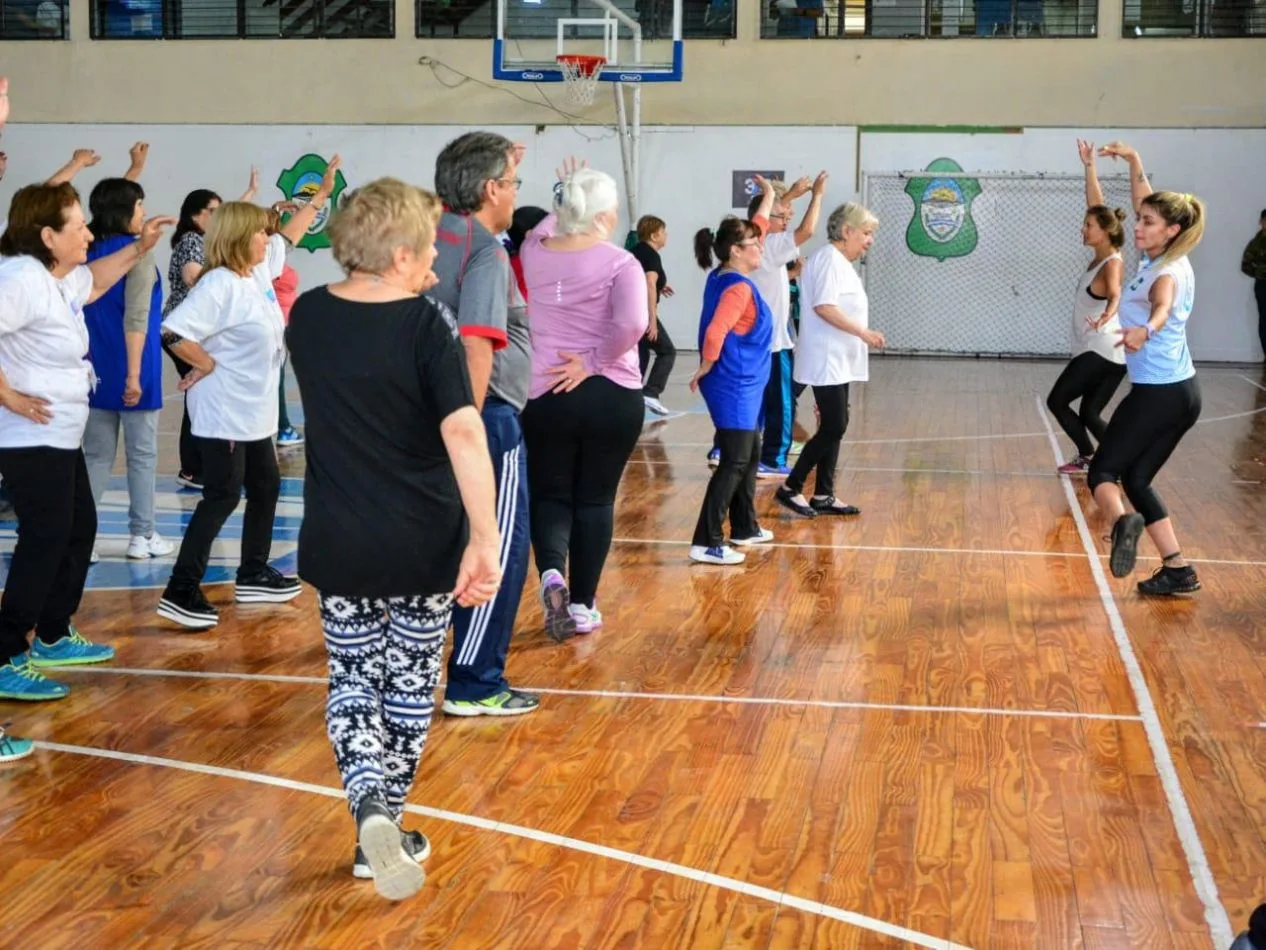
(289, 436)
(20, 680)
(70, 650)
(12, 748)
(772, 471)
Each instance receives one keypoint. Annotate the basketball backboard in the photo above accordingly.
(639, 39)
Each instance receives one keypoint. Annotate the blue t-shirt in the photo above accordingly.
(1165, 358)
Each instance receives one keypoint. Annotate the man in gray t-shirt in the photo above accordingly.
(475, 178)
(479, 296)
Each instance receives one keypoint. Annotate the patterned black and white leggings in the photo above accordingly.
(385, 658)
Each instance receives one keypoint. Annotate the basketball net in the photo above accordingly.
(580, 77)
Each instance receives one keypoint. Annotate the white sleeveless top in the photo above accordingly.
(1085, 307)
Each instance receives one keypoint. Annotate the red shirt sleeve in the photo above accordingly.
(735, 309)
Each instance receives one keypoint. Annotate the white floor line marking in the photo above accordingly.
(1197, 862)
(896, 549)
(545, 837)
(618, 694)
(1250, 382)
(868, 547)
(932, 438)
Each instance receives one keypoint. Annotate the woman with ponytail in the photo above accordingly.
(587, 310)
(1164, 398)
(1098, 363)
(735, 330)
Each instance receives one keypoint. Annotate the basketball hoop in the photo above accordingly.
(580, 76)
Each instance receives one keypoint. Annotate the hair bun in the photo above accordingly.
(1120, 213)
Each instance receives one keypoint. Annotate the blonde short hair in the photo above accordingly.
(228, 238)
(379, 217)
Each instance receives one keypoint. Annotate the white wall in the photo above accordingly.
(687, 181)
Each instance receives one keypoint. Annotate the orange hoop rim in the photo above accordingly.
(586, 65)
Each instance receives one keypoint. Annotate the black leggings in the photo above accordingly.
(577, 446)
(228, 468)
(731, 489)
(1143, 433)
(822, 452)
(1092, 379)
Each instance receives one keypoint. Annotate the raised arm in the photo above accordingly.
(252, 189)
(809, 223)
(81, 159)
(138, 153)
(766, 197)
(4, 100)
(1094, 193)
(295, 228)
(109, 270)
(1140, 187)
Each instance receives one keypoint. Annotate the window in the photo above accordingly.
(838, 19)
(242, 19)
(34, 19)
(538, 19)
(1194, 18)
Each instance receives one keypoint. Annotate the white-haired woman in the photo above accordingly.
(832, 352)
(587, 308)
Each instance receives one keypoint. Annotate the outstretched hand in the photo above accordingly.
(1086, 150)
(571, 165)
(4, 100)
(152, 230)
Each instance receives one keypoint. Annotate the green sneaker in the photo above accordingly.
(70, 650)
(509, 702)
(12, 748)
(796, 448)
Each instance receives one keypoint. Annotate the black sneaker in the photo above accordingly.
(1171, 580)
(415, 843)
(189, 608)
(269, 586)
(1125, 544)
(395, 873)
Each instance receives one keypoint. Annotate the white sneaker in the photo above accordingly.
(720, 555)
(764, 537)
(160, 546)
(655, 406)
(140, 548)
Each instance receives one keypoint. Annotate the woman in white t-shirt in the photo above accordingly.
(832, 352)
(45, 379)
(229, 330)
(1098, 363)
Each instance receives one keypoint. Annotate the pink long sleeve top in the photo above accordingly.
(591, 302)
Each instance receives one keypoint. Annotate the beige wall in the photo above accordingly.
(1105, 81)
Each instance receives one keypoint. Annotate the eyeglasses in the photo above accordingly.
(751, 242)
(780, 217)
(516, 182)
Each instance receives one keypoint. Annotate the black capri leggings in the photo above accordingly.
(1143, 433)
(1092, 379)
(577, 446)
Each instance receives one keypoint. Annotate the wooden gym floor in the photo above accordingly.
(940, 725)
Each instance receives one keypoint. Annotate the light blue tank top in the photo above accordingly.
(1165, 358)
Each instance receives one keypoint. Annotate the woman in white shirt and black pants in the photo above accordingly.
(831, 353)
(45, 379)
(229, 329)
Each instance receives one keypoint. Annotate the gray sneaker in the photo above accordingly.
(395, 873)
(415, 844)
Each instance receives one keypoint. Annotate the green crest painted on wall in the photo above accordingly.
(942, 226)
(299, 183)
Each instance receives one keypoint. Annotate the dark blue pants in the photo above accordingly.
(481, 635)
(778, 411)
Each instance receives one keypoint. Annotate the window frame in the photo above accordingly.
(767, 22)
(65, 33)
(171, 15)
(419, 23)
